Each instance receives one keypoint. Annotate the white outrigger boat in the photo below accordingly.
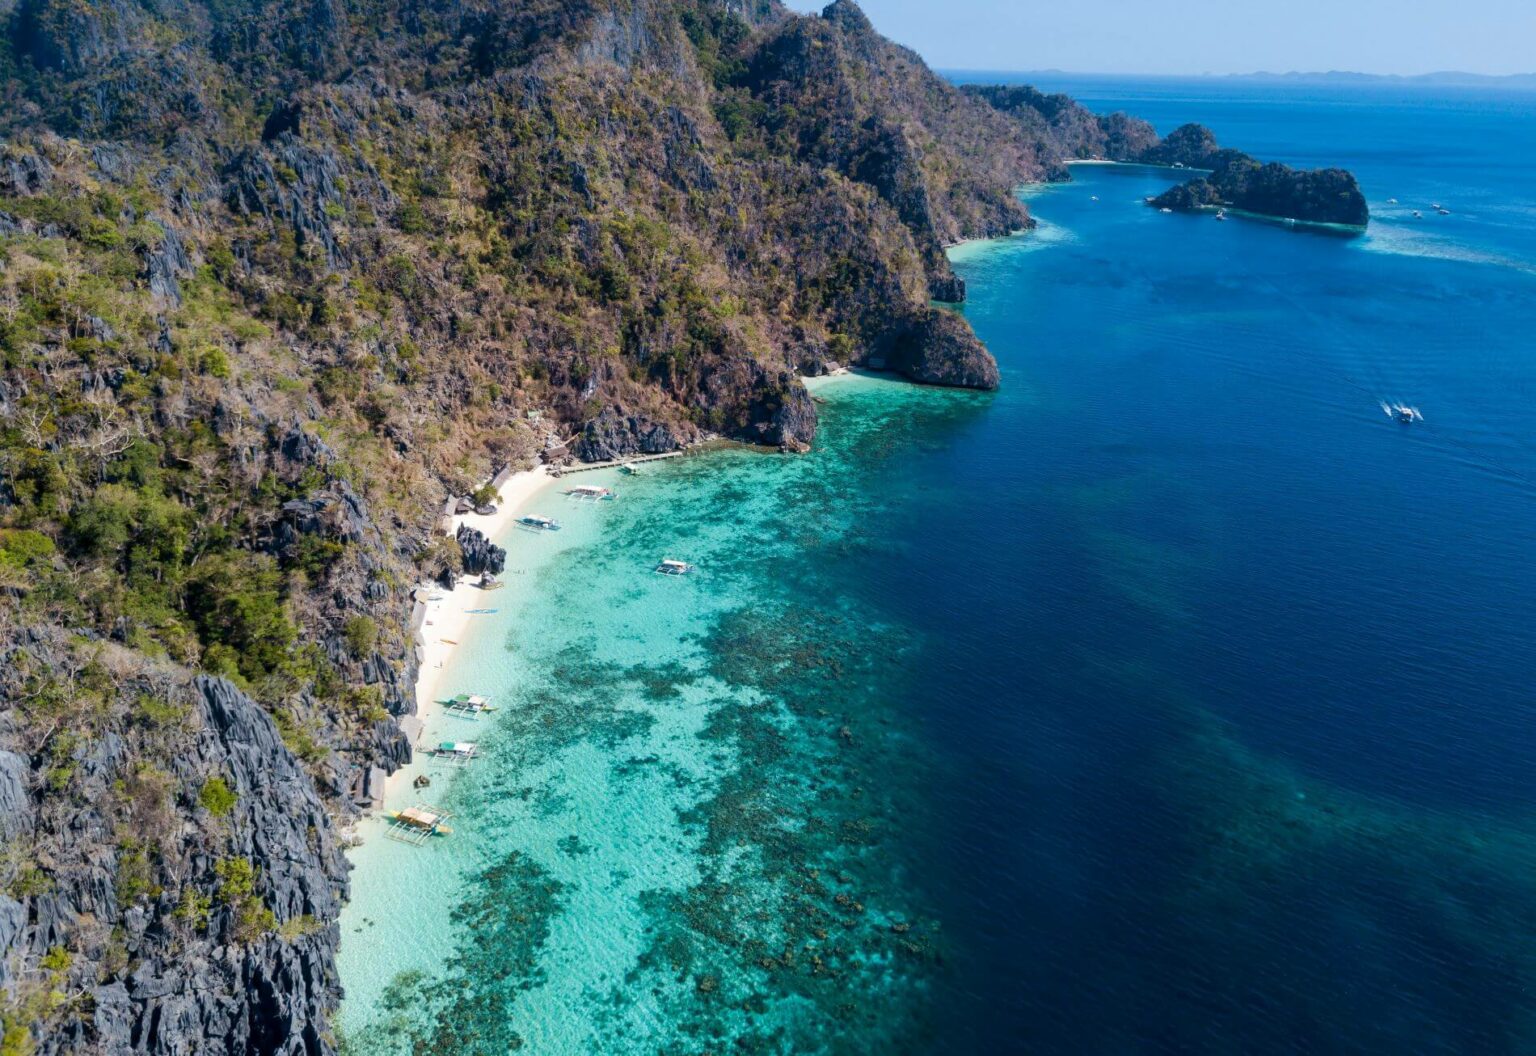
(669, 567)
(416, 825)
(1403, 413)
(468, 706)
(459, 753)
(535, 523)
(591, 493)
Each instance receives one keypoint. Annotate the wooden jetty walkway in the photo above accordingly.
(586, 467)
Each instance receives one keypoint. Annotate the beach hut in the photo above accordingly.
(445, 518)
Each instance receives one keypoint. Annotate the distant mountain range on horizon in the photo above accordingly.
(1439, 78)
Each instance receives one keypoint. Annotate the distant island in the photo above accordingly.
(1437, 79)
(1229, 179)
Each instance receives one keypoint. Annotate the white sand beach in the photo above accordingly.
(448, 613)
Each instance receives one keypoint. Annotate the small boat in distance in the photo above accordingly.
(629, 469)
(1221, 214)
(1418, 215)
(1165, 209)
(1402, 412)
(669, 567)
(535, 523)
(1391, 201)
(590, 493)
(1442, 210)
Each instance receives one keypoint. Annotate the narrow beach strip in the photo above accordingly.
(449, 614)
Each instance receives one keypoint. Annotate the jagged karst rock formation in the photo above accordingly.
(480, 555)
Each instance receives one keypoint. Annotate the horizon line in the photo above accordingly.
(1208, 75)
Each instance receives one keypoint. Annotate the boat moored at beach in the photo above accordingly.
(468, 706)
(669, 567)
(416, 825)
(535, 523)
(459, 753)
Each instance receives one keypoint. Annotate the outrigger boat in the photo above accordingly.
(469, 706)
(535, 523)
(459, 753)
(1403, 413)
(416, 825)
(591, 493)
(669, 567)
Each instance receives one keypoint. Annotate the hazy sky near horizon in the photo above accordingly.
(1213, 36)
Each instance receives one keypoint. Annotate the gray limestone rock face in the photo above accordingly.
(15, 811)
(941, 349)
(13, 918)
(480, 554)
(612, 436)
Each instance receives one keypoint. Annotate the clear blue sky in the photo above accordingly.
(1213, 36)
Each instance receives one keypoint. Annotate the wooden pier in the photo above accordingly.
(586, 467)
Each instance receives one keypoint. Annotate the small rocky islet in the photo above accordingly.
(279, 279)
(1228, 178)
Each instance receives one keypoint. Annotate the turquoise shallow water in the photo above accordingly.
(1170, 700)
(681, 828)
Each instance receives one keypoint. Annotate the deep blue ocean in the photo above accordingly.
(1249, 746)
(1173, 699)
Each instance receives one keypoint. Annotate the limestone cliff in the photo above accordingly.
(277, 280)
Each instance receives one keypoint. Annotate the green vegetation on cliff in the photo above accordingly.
(277, 278)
